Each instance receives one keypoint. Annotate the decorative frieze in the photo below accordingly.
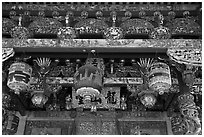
(101, 7)
(126, 43)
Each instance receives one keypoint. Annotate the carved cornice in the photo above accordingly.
(85, 43)
(110, 6)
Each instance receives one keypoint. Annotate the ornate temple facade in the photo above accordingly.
(101, 68)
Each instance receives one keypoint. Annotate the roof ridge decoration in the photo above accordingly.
(124, 22)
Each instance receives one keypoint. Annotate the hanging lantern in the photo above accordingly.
(159, 77)
(88, 81)
(147, 98)
(39, 99)
(19, 76)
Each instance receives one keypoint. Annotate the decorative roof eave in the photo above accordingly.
(103, 43)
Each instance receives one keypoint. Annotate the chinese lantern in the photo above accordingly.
(19, 76)
(88, 81)
(159, 77)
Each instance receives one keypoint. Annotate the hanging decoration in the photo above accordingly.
(88, 80)
(66, 32)
(159, 77)
(19, 31)
(113, 33)
(160, 32)
(19, 76)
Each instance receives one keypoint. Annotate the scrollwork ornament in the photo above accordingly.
(84, 14)
(55, 14)
(186, 14)
(12, 14)
(41, 13)
(128, 14)
(113, 33)
(160, 33)
(99, 14)
(172, 14)
(27, 13)
(66, 33)
(142, 14)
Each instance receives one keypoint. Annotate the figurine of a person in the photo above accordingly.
(93, 107)
(123, 104)
(68, 102)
